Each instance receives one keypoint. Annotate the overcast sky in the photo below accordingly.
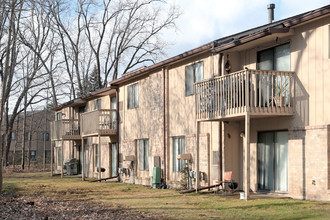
(203, 21)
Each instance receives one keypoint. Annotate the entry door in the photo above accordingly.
(273, 161)
(113, 156)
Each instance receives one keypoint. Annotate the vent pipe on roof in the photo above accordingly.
(270, 12)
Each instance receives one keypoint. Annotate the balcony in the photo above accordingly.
(258, 93)
(65, 129)
(100, 122)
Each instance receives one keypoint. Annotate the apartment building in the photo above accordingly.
(253, 103)
(37, 137)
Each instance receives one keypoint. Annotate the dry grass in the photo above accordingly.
(163, 203)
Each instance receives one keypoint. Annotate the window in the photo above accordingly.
(113, 107)
(113, 102)
(133, 96)
(178, 148)
(13, 136)
(81, 109)
(143, 154)
(27, 136)
(33, 155)
(58, 116)
(113, 159)
(97, 104)
(275, 58)
(59, 156)
(46, 136)
(96, 155)
(193, 74)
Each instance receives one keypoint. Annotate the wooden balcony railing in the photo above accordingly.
(99, 122)
(256, 92)
(65, 129)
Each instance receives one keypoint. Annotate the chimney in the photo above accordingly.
(270, 12)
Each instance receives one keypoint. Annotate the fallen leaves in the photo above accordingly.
(27, 207)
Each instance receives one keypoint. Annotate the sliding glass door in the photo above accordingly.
(273, 161)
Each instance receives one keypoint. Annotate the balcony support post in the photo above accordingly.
(197, 155)
(99, 140)
(51, 157)
(62, 158)
(83, 160)
(247, 157)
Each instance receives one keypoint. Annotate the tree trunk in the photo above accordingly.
(23, 134)
(30, 140)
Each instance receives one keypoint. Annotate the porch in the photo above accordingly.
(242, 96)
(65, 129)
(259, 93)
(101, 122)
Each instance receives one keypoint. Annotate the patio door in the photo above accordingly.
(80, 155)
(278, 59)
(273, 161)
(113, 159)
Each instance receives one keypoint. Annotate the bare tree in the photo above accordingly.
(35, 67)
(9, 23)
(115, 36)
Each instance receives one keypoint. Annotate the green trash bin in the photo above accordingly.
(156, 177)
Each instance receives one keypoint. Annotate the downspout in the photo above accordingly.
(117, 127)
(164, 122)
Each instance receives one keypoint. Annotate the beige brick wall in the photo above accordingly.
(309, 163)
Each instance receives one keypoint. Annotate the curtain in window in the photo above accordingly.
(129, 97)
(114, 159)
(146, 155)
(266, 161)
(281, 161)
(282, 58)
(175, 153)
(189, 79)
(181, 151)
(198, 72)
(136, 95)
(282, 63)
(96, 155)
(273, 161)
(113, 106)
(178, 148)
(276, 58)
(133, 96)
(143, 155)
(193, 73)
(59, 156)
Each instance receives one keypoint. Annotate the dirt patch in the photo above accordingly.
(24, 207)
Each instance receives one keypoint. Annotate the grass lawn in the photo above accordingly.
(163, 203)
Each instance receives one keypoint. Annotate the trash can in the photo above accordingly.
(156, 177)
